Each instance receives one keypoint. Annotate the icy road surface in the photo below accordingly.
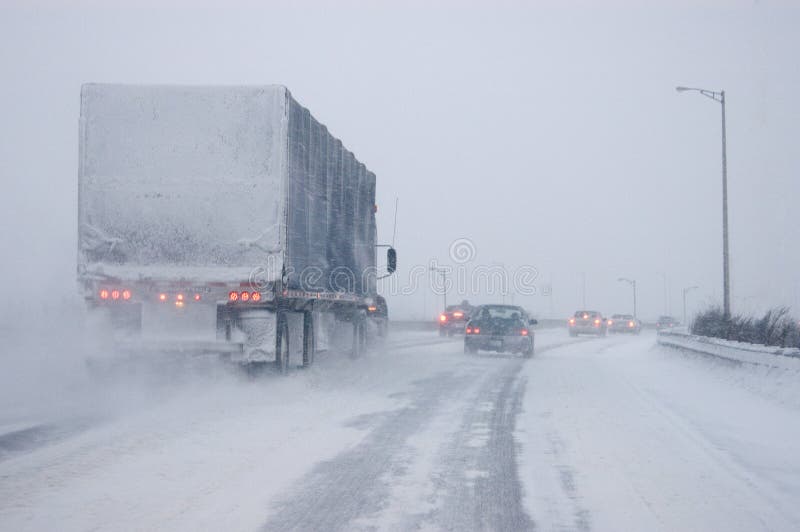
(592, 434)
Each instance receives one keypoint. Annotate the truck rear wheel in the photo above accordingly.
(359, 337)
(309, 342)
(282, 344)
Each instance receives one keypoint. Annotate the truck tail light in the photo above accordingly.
(477, 330)
(524, 332)
(442, 318)
(630, 324)
(469, 330)
(126, 295)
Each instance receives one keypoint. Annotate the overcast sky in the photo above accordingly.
(550, 137)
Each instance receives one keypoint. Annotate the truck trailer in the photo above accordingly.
(222, 219)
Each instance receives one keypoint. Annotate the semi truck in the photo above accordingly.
(223, 219)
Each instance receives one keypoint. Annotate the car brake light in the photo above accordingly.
(524, 332)
(179, 297)
(442, 318)
(372, 309)
(162, 297)
(477, 330)
(197, 297)
(469, 330)
(597, 322)
(586, 316)
(458, 314)
(630, 324)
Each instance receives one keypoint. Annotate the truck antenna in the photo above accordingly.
(394, 230)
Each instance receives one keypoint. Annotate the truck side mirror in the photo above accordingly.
(391, 260)
(533, 322)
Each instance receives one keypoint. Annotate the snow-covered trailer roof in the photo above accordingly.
(214, 183)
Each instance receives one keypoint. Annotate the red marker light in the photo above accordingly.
(245, 296)
(179, 297)
(103, 294)
(126, 294)
(197, 297)
(233, 296)
(255, 296)
(524, 332)
(115, 294)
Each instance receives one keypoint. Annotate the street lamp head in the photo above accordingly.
(683, 89)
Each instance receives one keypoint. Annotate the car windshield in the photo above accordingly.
(585, 314)
(501, 312)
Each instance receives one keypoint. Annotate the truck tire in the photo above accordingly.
(359, 337)
(282, 343)
(309, 341)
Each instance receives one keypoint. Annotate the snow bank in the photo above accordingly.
(763, 355)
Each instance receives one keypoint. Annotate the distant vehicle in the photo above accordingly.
(624, 323)
(455, 318)
(500, 328)
(587, 322)
(666, 322)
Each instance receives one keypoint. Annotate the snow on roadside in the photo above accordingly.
(627, 436)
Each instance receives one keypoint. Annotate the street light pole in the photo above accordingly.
(631, 282)
(726, 279)
(685, 291)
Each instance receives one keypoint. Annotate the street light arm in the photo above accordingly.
(716, 96)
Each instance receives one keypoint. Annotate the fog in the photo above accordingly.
(548, 136)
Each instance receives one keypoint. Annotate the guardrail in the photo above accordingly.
(763, 355)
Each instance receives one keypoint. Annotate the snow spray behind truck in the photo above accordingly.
(222, 219)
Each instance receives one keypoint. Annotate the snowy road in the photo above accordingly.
(591, 434)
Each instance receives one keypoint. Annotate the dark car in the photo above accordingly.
(624, 323)
(587, 322)
(666, 322)
(454, 319)
(499, 328)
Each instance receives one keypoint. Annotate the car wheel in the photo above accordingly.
(528, 352)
